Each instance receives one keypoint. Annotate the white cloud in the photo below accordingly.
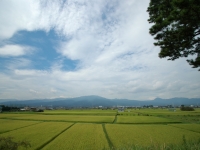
(117, 58)
(18, 63)
(33, 91)
(17, 15)
(66, 17)
(14, 50)
(28, 72)
(53, 90)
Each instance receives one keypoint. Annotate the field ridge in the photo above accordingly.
(184, 128)
(107, 137)
(115, 120)
(20, 127)
(43, 145)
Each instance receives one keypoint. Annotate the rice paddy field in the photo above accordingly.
(100, 129)
(82, 112)
(82, 136)
(37, 134)
(190, 127)
(146, 134)
(62, 118)
(9, 125)
(143, 120)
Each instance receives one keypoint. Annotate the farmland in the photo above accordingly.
(191, 127)
(142, 119)
(82, 112)
(7, 125)
(38, 134)
(62, 118)
(145, 134)
(100, 129)
(83, 136)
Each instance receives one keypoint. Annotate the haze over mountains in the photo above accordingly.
(94, 101)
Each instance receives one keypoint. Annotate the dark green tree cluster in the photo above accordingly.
(7, 108)
(7, 143)
(176, 28)
(186, 108)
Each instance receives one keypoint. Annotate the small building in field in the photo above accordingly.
(121, 109)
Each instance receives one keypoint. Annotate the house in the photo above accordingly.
(25, 109)
(121, 109)
(40, 109)
(22, 109)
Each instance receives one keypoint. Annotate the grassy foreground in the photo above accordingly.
(144, 129)
(185, 145)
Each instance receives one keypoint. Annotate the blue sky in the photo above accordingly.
(71, 48)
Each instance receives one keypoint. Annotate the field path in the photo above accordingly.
(107, 137)
(39, 148)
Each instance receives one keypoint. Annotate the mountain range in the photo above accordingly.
(95, 101)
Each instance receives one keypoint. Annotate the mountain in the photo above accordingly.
(94, 101)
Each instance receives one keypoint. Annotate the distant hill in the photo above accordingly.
(94, 101)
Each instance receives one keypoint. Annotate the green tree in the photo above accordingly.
(176, 28)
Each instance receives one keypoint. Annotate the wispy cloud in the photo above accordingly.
(14, 50)
(110, 43)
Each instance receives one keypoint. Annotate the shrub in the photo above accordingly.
(7, 143)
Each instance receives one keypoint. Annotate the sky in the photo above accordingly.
(72, 48)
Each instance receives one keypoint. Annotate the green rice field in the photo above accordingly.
(80, 136)
(62, 118)
(143, 119)
(82, 112)
(191, 127)
(100, 129)
(9, 125)
(38, 134)
(123, 135)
